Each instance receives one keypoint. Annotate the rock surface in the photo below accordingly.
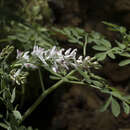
(78, 110)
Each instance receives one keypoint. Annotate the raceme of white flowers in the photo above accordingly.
(56, 59)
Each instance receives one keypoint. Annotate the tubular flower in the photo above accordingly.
(23, 55)
(38, 52)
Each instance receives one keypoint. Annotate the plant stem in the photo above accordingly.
(76, 82)
(43, 96)
(85, 45)
(41, 80)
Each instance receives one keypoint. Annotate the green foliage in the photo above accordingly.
(12, 117)
(27, 36)
(103, 47)
(23, 36)
(115, 107)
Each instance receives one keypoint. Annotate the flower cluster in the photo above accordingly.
(56, 59)
(18, 76)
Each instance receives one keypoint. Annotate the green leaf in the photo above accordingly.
(13, 96)
(115, 107)
(95, 35)
(75, 33)
(126, 108)
(110, 24)
(106, 104)
(111, 55)
(17, 115)
(122, 46)
(99, 48)
(3, 125)
(116, 50)
(126, 54)
(106, 43)
(127, 97)
(100, 56)
(67, 31)
(73, 40)
(1, 116)
(122, 30)
(124, 62)
(128, 49)
(97, 83)
(114, 27)
(30, 128)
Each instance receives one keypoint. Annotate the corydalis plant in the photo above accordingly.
(58, 60)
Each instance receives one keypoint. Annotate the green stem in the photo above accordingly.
(43, 96)
(22, 96)
(85, 45)
(76, 82)
(41, 80)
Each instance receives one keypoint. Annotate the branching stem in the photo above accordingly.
(43, 96)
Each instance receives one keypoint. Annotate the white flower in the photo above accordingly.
(23, 55)
(95, 63)
(38, 51)
(87, 58)
(55, 67)
(19, 54)
(17, 73)
(71, 55)
(57, 60)
(43, 60)
(67, 52)
(51, 53)
(29, 65)
(60, 52)
(80, 60)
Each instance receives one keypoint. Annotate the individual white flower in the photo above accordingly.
(59, 60)
(43, 60)
(60, 52)
(71, 55)
(17, 73)
(55, 67)
(23, 55)
(51, 53)
(38, 52)
(67, 52)
(80, 60)
(26, 56)
(95, 63)
(29, 65)
(87, 58)
(19, 54)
